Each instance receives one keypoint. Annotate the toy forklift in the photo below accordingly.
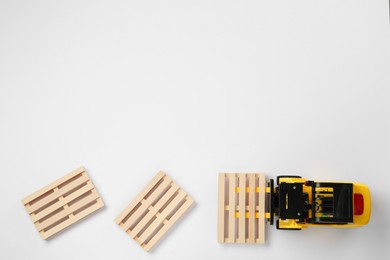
(247, 201)
(299, 203)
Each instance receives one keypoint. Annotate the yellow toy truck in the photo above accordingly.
(299, 203)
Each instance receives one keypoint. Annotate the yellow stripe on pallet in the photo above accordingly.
(247, 189)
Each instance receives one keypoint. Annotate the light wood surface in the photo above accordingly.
(241, 208)
(62, 203)
(154, 211)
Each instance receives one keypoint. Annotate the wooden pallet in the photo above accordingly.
(62, 203)
(241, 205)
(154, 211)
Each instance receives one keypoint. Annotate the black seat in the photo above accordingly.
(337, 206)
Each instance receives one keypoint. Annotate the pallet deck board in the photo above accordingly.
(62, 203)
(241, 208)
(154, 211)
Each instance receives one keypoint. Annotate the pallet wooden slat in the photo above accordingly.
(261, 211)
(154, 211)
(241, 208)
(251, 226)
(221, 208)
(232, 205)
(62, 203)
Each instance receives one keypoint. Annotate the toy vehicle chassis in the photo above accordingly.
(298, 203)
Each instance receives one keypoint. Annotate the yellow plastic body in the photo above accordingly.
(358, 220)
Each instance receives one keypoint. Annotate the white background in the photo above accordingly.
(194, 88)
